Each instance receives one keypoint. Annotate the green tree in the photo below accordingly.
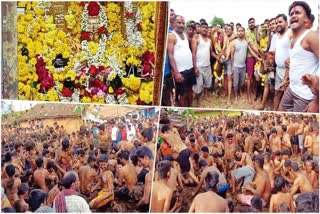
(217, 20)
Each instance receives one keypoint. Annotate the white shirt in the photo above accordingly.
(302, 62)
(182, 53)
(114, 132)
(131, 133)
(76, 204)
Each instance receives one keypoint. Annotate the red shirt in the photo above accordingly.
(123, 134)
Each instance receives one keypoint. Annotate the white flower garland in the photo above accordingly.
(94, 59)
(134, 35)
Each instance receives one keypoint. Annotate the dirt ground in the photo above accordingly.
(121, 206)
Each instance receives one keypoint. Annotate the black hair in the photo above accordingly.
(284, 17)
(163, 168)
(241, 28)
(91, 158)
(45, 152)
(272, 19)
(23, 188)
(36, 198)
(238, 149)
(266, 20)
(165, 128)
(274, 130)
(307, 202)
(18, 206)
(144, 151)
(303, 4)
(196, 157)
(287, 163)
(260, 160)
(9, 210)
(8, 157)
(238, 24)
(279, 183)
(305, 157)
(68, 179)
(211, 180)
(203, 163)
(39, 161)
(124, 155)
(204, 149)
(204, 23)
(256, 202)
(295, 166)
(164, 121)
(50, 165)
(101, 127)
(229, 135)
(251, 19)
(311, 18)
(277, 153)
(147, 133)
(246, 129)
(65, 143)
(103, 158)
(10, 170)
(168, 157)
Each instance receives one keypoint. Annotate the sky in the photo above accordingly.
(236, 10)
(16, 105)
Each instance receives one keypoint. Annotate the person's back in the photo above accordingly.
(130, 175)
(39, 178)
(86, 174)
(265, 181)
(172, 182)
(210, 202)
(278, 199)
(160, 194)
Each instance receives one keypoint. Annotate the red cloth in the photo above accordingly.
(60, 202)
(124, 134)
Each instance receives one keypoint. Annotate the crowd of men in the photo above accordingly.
(278, 58)
(97, 168)
(249, 163)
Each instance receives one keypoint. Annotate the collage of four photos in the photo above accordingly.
(160, 106)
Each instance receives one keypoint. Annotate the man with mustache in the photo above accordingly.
(280, 45)
(180, 59)
(304, 59)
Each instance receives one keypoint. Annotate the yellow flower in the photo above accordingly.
(132, 83)
(133, 99)
(86, 99)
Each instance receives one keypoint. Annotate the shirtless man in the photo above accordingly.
(127, 174)
(179, 147)
(286, 142)
(11, 184)
(311, 175)
(230, 147)
(261, 185)
(222, 185)
(315, 143)
(64, 159)
(162, 192)
(245, 171)
(87, 176)
(175, 177)
(205, 156)
(268, 168)
(146, 159)
(203, 202)
(106, 194)
(248, 142)
(202, 139)
(275, 141)
(281, 197)
(40, 175)
(193, 147)
(301, 182)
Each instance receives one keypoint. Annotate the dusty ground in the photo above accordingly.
(219, 101)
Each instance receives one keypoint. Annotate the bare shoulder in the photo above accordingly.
(171, 36)
(313, 36)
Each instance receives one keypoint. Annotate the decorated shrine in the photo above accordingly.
(99, 52)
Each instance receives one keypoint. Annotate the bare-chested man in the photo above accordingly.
(87, 176)
(269, 168)
(40, 175)
(275, 141)
(286, 141)
(248, 142)
(162, 192)
(245, 171)
(281, 197)
(209, 201)
(311, 174)
(205, 156)
(261, 185)
(106, 194)
(127, 174)
(65, 156)
(301, 181)
(11, 184)
(315, 143)
(194, 147)
(230, 148)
